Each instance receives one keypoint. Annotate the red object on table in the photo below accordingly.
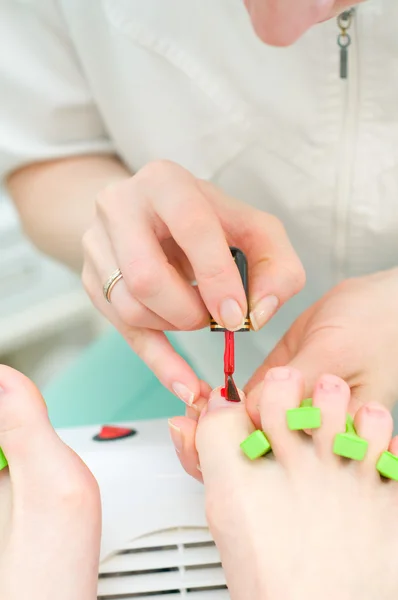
(112, 432)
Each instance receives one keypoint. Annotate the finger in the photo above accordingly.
(182, 433)
(197, 230)
(194, 411)
(275, 271)
(282, 22)
(149, 277)
(154, 348)
(99, 264)
(170, 368)
(219, 434)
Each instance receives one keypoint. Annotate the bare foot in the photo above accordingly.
(50, 515)
(305, 524)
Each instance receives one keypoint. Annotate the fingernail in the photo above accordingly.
(278, 374)
(263, 311)
(217, 401)
(176, 436)
(183, 393)
(231, 314)
(199, 469)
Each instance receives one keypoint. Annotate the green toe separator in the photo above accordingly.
(256, 445)
(3, 460)
(304, 417)
(349, 444)
(387, 465)
(307, 402)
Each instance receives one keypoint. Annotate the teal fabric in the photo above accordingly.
(108, 383)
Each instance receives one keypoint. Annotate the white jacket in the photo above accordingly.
(188, 80)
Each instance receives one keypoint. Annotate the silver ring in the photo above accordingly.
(110, 284)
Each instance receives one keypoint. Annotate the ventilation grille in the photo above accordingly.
(177, 563)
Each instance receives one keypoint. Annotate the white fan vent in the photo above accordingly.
(176, 563)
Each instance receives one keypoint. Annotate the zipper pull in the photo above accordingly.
(344, 21)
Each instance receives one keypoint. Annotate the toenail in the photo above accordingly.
(279, 374)
(329, 385)
(375, 411)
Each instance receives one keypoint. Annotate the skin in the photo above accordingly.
(50, 510)
(165, 228)
(306, 512)
(283, 22)
(306, 505)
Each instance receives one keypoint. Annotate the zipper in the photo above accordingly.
(344, 40)
(347, 145)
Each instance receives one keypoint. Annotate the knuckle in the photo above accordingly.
(111, 197)
(143, 279)
(274, 223)
(211, 273)
(194, 320)
(158, 170)
(294, 274)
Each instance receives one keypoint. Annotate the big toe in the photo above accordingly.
(36, 456)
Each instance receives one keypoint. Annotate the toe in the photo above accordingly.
(331, 395)
(183, 432)
(282, 391)
(37, 458)
(222, 427)
(393, 447)
(374, 423)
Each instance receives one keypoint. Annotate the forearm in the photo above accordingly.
(56, 201)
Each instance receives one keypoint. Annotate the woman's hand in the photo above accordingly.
(165, 229)
(351, 332)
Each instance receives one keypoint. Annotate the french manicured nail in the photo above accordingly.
(216, 400)
(183, 393)
(231, 314)
(278, 374)
(263, 311)
(176, 436)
